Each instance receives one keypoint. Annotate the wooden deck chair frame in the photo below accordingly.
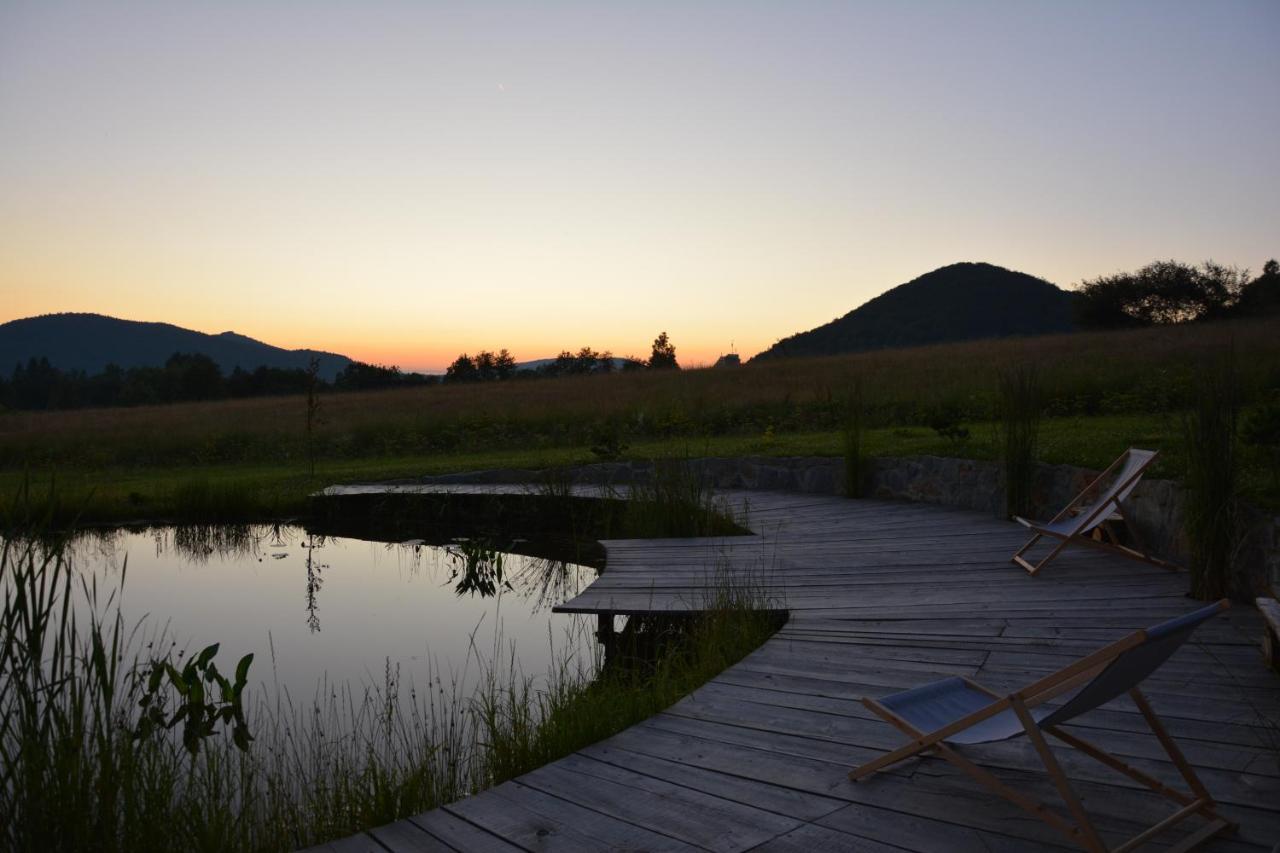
(1082, 831)
(1098, 521)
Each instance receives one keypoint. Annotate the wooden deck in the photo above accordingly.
(882, 596)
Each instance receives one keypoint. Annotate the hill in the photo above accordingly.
(90, 342)
(960, 302)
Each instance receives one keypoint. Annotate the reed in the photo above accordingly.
(675, 501)
(1211, 517)
(1021, 408)
(853, 441)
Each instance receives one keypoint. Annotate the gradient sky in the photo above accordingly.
(404, 181)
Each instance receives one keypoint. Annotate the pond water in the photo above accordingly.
(320, 611)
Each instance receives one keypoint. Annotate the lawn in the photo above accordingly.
(246, 492)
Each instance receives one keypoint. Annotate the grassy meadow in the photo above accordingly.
(247, 459)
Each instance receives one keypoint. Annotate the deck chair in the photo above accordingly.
(1093, 523)
(957, 711)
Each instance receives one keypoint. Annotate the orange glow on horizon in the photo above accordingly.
(405, 182)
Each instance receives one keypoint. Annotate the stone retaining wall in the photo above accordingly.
(1154, 507)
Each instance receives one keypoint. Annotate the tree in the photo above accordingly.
(192, 376)
(1262, 295)
(360, 376)
(1160, 293)
(504, 364)
(463, 369)
(663, 356)
(486, 366)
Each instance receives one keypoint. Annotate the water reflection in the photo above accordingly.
(363, 603)
(477, 568)
(314, 581)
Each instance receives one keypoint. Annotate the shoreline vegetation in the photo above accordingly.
(90, 760)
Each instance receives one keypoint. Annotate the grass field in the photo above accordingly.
(247, 459)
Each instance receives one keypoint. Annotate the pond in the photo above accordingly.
(320, 611)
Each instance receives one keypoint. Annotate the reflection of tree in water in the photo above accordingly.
(198, 542)
(477, 568)
(315, 580)
(195, 543)
(480, 568)
(545, 582)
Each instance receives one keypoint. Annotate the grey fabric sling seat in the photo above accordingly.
(1092, 516)
(957, 711)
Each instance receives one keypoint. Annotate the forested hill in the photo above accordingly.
(959, 302)
(90, 342)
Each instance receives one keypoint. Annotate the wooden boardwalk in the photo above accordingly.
(882, 596)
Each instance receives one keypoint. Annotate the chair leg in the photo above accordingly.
(1090, 840)
(902, 753)
(981, 776)
(1017, 555)
(1032, 569)
(911, 750)
(1199, 802)
(1170, 746)
(1096, 752)
(1024, 801)
(1142, 551)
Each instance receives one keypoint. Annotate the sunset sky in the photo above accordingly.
(400, 182)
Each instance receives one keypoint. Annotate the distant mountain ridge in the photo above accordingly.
(959, 302)
(539, 363)
(90, 342)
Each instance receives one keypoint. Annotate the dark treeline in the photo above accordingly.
(188, 377)
(487, 366)
(1167, 292)
(184, 377)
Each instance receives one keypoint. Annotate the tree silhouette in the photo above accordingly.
(663, 356)
(504, 364)
(1262, 295)
(463, 369)
(1160, 293)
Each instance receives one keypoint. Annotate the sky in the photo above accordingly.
(402, 182)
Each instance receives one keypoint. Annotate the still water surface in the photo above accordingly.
(339, 609)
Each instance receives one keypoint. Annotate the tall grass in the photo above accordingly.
(1120, 372)
(675, 501)
(74, 777)
(1210, 511)
(852, 436)
(1021, 407)
(652, 667)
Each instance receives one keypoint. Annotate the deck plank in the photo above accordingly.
(881, 596)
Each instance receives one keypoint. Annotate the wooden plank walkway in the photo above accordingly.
(882, 596)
